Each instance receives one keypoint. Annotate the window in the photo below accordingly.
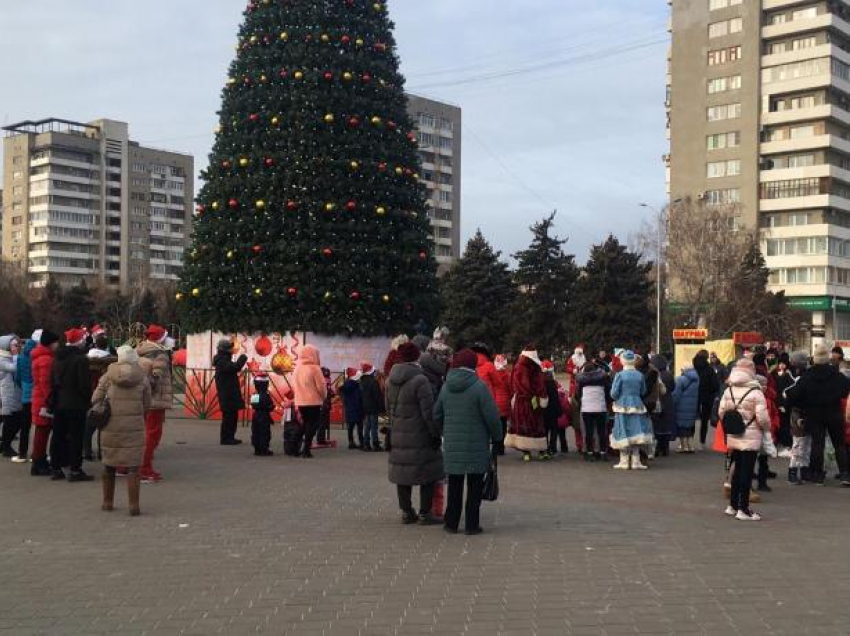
(803, 160)
(726, 27)
(722, 4)
(797, 70)
(17, 175)
(724, 140)
(139, 167)
(723, 56)
(804, 14)
(723, 84)
(446, 124)
(792, 188)
(427, 120)
(723, 197)
(17, 190)
(725, 111)
(730, 168)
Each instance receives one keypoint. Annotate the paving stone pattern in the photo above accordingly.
(233, 544)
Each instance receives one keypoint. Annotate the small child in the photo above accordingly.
(293, 433)
(352, 400)
(262, 421)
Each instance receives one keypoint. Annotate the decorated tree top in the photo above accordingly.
(312, 216)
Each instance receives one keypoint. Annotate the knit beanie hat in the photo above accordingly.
(225, 345)
(821, 355)
(409, 352)
(466, 359)
(48, 338)
(747, 366)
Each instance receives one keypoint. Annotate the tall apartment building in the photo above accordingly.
(759, 116)
(439, 128)
(84, 202)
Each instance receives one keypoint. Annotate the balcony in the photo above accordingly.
(805, 143)
(815, 113)
(823, 170)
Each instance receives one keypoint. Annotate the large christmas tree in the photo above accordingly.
(312, 216)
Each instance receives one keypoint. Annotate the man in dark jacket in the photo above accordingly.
(71, 392)
(373, 406)
(818, 394)
(227, 386)
(709, 387)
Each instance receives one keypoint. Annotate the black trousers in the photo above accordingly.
(229, 421)
(261, 434)
(742, 482)
(595, 424)
(310, 416)
(66, 443)
(24, 437)
(11, 428)
(426, 498)
(763, 470)
(454, 501)
(819, 430)
(704, 419)
(351, 428)
(88, 446)
(785, 437)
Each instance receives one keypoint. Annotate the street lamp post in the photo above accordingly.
(660, 237)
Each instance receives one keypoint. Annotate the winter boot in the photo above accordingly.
(134, 487)
(108, 491)
(636, 463)
(805, 474)
(793, 476)
(624, 460)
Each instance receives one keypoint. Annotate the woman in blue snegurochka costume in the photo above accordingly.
(632, 426)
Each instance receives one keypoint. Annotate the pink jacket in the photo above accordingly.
(752, 407)
(308, 383)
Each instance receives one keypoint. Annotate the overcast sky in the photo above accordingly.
(562, 99)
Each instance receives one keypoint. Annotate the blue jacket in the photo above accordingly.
(25, 371)
(627, 392)
(352, 401)
(686, 400)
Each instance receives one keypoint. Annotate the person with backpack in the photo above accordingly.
(745, 417)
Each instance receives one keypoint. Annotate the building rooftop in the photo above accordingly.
(52, 124)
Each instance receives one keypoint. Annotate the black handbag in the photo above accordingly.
(491, 479)
(99, 414)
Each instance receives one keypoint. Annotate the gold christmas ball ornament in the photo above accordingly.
(260, 205)
(230, 254)
(178, 297)
(243, 162)
(258, 292)
(218, 130)
(231, 81)
(378, 6)
(196, 292)
(329, 118)
(284, 36)
(359, 42)
(354, 165)
(328, 295)
(381, 210)
(298, 75)
(329, 207)
(386, 298)
(347, 76)
(376, 120)
(399, 171)
(275, 121)
(254, 39)
(325, 37)
(215, 205)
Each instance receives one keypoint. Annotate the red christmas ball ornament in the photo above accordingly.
(367, 78)
(392, 125)
(283, 73)
(201, 209)
(354, 122)
(411, 136)
(351, 205)
(328, 252)
(292, 291)
(263, 346)
(382, 166)
(349, 3)
(291, 205)
(257, 249)
(233, 204)
(423, 255)
(269, 162)
(346, 39)
(253, 116)
(226, 164)
(329, 76)
(355, 295)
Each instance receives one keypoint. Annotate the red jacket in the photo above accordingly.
(393, 359)
(42, 366)
(504, 392)
(487, 372)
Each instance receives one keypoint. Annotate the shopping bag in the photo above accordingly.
(719, 439)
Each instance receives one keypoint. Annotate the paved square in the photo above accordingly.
(232, 544)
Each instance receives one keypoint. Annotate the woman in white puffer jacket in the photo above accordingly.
(744, 394)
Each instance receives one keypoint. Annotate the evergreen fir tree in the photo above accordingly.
(78, 304)
(146, 311)
(312, 216)
(49, 308)
(545, 278)
(477, 292)
(612, 304)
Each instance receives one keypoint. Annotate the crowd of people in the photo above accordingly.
(445, 415)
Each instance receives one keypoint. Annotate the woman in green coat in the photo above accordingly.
(470, 420)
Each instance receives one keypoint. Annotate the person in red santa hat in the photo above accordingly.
(73, 391)
(527, 432)
(155, 359)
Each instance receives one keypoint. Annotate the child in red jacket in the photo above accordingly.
(502, 392)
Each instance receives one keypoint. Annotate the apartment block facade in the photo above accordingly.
(759, 117)
(81, 201)
(439, 128)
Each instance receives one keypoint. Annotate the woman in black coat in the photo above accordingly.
(227, 386)
(415, 457)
